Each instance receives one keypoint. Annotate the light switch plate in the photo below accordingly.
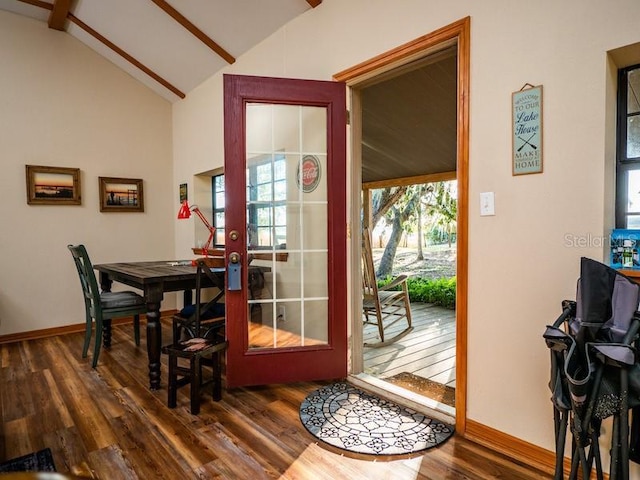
(487, 204)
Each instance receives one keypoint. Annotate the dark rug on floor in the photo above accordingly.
(425, 387)
(41, 461)
(349, 418)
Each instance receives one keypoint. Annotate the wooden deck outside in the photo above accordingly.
(428, 351)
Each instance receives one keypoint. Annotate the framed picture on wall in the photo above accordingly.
(53, 185)
(121, 194)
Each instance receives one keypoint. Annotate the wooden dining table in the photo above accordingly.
(154, 279)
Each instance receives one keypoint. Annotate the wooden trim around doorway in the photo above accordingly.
(458, 34)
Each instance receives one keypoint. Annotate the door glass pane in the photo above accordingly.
(287, 225)
(288, 274)
(314, 280)
(315, 312)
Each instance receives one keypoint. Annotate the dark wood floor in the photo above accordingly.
(105, 423)
(428, 351)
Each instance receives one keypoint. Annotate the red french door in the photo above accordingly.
(285, 230)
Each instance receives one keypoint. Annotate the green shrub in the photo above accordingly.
(441, 291)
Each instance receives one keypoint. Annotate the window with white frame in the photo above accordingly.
(217, 190)
(266, 204)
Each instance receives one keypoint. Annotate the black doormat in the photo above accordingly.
(41, 461)
(351, 419)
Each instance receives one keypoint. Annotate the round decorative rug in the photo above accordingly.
(349, 418)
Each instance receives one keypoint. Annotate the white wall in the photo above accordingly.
(523, 261)
(62, 104)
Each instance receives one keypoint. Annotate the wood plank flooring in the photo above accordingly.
(105, 423)
(428, 351)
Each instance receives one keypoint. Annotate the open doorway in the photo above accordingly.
(412, 244)
(408, 143)
(410, 140)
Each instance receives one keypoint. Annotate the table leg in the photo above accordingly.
(106, 333)
(187, 296)
(105, 282)
(154, 343)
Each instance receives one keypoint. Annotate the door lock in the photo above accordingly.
(234, 269)
(234, 235)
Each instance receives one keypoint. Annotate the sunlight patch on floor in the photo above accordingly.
(305, 464)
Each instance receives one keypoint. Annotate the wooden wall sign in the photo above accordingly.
(526, 108)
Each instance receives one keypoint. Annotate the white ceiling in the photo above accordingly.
(172, 46)
(167, 49)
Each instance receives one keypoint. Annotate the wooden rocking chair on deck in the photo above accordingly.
(383, 306)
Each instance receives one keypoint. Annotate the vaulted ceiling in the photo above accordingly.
(170, 46)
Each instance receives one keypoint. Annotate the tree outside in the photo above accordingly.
(414, 231)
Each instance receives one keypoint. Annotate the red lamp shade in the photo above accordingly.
(185, 211)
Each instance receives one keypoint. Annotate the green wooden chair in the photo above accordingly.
(102, 307)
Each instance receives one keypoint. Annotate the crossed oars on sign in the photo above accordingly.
(527, 142)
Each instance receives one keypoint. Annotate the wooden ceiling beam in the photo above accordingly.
(58, 15)
(125, 55)
(314, 3)
(72, 18)
(199, 34)
(38, 3)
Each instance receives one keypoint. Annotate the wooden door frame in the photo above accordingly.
(457, 33)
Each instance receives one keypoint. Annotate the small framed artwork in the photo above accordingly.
(183, 193)
(53, 185)
(121, 194)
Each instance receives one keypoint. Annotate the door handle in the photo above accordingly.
(234, 270)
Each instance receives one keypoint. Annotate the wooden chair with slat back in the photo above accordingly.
(103, 307)
(212, 313)
(204, 344)
(383, 306)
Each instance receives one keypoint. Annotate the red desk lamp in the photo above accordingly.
(185, 212)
